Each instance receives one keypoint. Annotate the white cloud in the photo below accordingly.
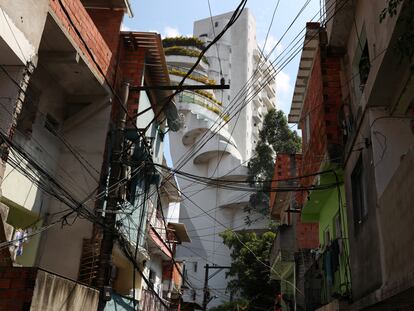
(125, 27)
(271, 42)
(283, 84)
(284, 91)
(171, 32)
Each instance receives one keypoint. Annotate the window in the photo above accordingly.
(216, 24)
(195, 263)
(358, 194)
(364, 66)
(203, 35)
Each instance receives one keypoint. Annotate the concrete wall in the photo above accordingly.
(53, 292)
(374, 242)
(396, 219)
(21, 26)
(38, 290)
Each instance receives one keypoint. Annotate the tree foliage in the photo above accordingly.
(238, 305)
(274, 137)
(251, 278)
(405, 42)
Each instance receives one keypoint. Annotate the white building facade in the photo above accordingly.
(213, 144)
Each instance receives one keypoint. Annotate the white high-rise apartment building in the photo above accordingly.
(240, 57)
(209, 210)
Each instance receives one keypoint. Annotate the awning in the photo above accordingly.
(180, 231)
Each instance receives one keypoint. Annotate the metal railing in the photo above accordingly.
(150, 302)
(194, 98)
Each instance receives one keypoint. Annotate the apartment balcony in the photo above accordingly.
(193, 98)
(37, 289)
(197, 124)
(323, 280)
(271, 93)
(232, 199)
(257, 55)
(215, 148)
(186, 61)
(257, 115)
(267, 101)
(257, 101)
(282, 254)
(150, 302)
(157, 243)
(228, 168)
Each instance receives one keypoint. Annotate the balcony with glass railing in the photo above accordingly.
(212, 108)
(196, 75)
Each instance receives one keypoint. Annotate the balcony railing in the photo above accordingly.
(150, 302)
(194, 98)
(195, 73)
(323, 282)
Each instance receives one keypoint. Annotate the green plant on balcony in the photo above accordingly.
(180, 73)
(183, 41)
(177, 50)
(209, 96)
(217, 111)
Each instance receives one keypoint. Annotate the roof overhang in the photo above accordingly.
(124, 5)
(180, 231)
(156, 72)
(307, 58)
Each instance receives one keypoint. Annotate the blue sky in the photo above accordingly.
(176, 17)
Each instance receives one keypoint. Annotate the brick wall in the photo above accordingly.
(108, 23)
(89, 32)
(283, 170)
(322, 104)
(314, 150)
(16, 287)
(307, 235)
(132, 68)
(287, 166)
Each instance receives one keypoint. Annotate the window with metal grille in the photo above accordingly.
(364, 66)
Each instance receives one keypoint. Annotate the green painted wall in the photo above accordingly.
(328, 222)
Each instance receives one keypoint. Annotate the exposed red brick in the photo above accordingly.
(89, 32)
(5, 283)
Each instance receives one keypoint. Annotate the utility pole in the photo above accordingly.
(205, 297)
(115, 196)
(206, 278)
